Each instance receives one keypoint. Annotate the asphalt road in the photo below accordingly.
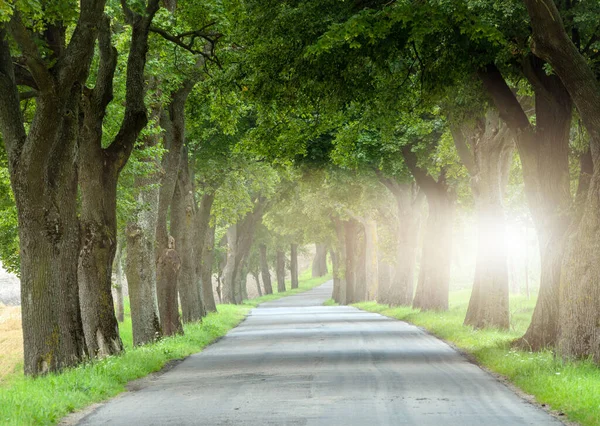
(296, 362)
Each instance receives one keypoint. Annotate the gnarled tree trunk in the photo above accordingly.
(579, 329)
(183, 221)
(486, 150)
(43, 174)
(544, 154)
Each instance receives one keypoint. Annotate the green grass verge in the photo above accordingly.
(45, 400)
(572, 388)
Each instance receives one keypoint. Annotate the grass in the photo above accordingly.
(572, 388)
(45, 400)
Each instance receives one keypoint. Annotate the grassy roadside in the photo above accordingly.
(572, 388)
(47, 399)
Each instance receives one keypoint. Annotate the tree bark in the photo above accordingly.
(294, 264)
(264, 269)
(183, 221)
(434, 274)
(140, 267)
(280, 271)
(544, 154)
(360, 264)
(401, 286)
(167, 277)
(119, 284)
(319, 265)
(43, 174)
(486, 150)
(579, 317)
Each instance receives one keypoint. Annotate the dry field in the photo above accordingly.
(11, 341)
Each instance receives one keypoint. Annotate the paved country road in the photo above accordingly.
(296, 362)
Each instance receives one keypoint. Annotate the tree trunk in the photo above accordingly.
(371, 260)
(338, 260)
(208, 256)
(264, 269)
(243, 284)
(579, 317)
(434, 274)
(98, 248)
(544, 154)
(256, 276)
(183, 221)
(167, 276)
(486, 150)
(239, 240)
(319, 265)
(360, 264)
(140, 266)
(119, 284)
(294, 264)
(48, 232)
(350, 255)
(400, 290)
(280, 271)
(43, 173)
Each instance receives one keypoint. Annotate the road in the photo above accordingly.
(296, 362)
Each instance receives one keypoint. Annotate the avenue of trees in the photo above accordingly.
(200, 142)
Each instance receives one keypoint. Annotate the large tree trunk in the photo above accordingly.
(119, 284)
(434, 274)
(579, 332)
(42, 165)
(319, 265)
(401, 286)
(98, 248)
(486, 150)
(294, 264)
(264, 269)
(208, 256)
(280, 271)
(544, 154)
(141, 263)
(140, 266)
(183, 221)
(99, 170)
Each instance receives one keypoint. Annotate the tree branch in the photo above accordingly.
(11, 119)
(37, 67)
(424, 180)
(464, 152)
(504, 99)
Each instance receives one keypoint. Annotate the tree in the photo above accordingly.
(43, 173)
(578, 335)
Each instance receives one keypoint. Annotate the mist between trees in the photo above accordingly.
(417, 145)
